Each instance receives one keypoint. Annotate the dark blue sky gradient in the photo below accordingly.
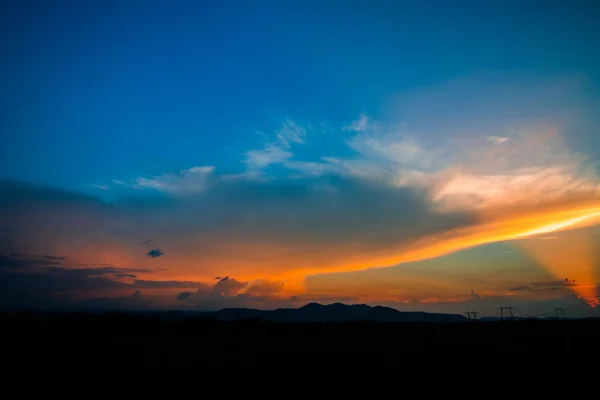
(98, 90)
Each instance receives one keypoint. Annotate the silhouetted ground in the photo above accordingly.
(158, 340)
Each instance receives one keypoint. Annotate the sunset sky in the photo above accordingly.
(424, 155)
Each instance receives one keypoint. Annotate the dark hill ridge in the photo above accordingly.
(337, 312)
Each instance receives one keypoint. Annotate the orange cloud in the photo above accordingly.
(248, 258)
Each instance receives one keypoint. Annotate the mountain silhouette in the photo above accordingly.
(337, 312)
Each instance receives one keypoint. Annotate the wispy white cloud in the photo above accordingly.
(534, 165)
(271, 154)
(276, 151)
(290, 133)
(482, 166)
(187, 181)
(360, 125)
(519, 187)
(103, 187)
(246, 176)
(195, 180)
(307, 168)
(497, 139)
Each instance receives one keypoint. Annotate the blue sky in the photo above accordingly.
(399, 152)
(102, 90)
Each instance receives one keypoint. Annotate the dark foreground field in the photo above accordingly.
(138, 341)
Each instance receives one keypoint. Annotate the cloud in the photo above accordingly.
(307, 168)
(15, 260)
(534, 166)
(102, 187)
(185, 296)
(519, 288)
(565, 282)
(257, 176)
(146, 284)
(101, 271)
(260, 294)
(229, 292)
(271, 154)
(264, 288)
(359, 125)
(13, 193)
(276, 151)
(276, 230)
(461, 163)
(39, 289)
(155, 253)
(194, 298)
(290, 133)
(497, 139)
(125, 276)
(105, 273)
(99, 265)
(545, 285)
(185, 182)
(227, 287)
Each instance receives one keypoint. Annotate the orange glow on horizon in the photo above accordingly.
(250, 260)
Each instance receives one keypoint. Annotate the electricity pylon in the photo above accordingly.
(501, 310)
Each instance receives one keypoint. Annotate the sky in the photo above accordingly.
(429, 155)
